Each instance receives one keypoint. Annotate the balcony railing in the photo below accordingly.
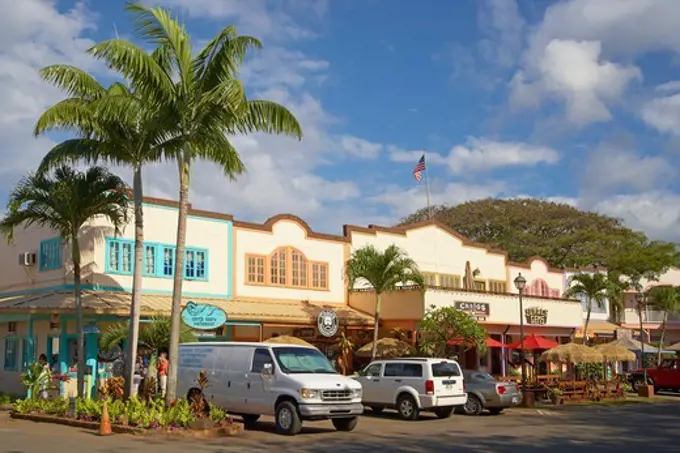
(649, 316)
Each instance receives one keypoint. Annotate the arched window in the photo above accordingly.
(539, 288)
(288, 267)
(277, 266)
(298, 268)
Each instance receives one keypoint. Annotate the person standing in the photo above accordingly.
(162, 368)
(42, 360)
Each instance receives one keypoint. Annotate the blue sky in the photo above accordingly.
(571, 100)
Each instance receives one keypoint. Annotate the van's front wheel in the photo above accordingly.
(345, 424)
(287, 419)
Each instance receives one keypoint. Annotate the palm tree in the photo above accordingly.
(384, 272)
(155, 335)
(593, 287)
(201, 102)
(65, 203)
(114, 126)
(664, 298)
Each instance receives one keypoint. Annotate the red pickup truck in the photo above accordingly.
(665, 377)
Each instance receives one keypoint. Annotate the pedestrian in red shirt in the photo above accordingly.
(162, 368)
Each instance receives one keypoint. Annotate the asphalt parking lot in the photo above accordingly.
(622, 429)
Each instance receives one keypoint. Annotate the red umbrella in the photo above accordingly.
(534, 342)
(490, 343)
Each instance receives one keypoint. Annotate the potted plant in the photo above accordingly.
(555, 395)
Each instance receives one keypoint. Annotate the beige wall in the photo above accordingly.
(160, 226)
(505, 309)
(10, 381)
(537, 270)
(289, 233)
(398, 305)
(15, 277)
(437, 251)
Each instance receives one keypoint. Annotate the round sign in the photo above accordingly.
(203, 317)
(327, 323)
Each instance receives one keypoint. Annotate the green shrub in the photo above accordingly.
(217, 414)
(5, 399)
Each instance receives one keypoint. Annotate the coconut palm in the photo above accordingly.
(65, 203)
(666, 299)
(202, 103)
(155, 335)
(114, 126)
(592, 287)
(384, 272)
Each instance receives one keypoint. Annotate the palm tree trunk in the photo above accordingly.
(75, 256)
(173, 353)
(376, 326)
(589, 307)
(133, 337)
(663, 335)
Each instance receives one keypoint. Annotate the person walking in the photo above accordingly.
(162, 368)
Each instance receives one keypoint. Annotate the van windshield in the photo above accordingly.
(302, 360)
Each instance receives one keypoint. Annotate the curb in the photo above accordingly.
(38, 418)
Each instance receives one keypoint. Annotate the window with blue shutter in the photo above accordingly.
(50, 254)
(10, 354)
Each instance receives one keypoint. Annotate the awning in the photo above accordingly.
(599, 328)
(118, 303)
(490, 343)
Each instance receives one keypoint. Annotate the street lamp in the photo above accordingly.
(640, 299)
(520, 284)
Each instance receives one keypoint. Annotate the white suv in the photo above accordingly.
(411, 385)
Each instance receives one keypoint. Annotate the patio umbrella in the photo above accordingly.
(386, 348)
(572, 353)
(287, 339)
(468, 281)
(615, 353)
(635, 345)
(675, 347)
(533, 343)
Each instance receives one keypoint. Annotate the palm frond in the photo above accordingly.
(222, 57)
(269, 117)
(383, 271)
(69, 115)
(72, 80)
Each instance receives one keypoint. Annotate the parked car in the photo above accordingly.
(664, 377)
(486, 392)
(412, 385)
(292, 383)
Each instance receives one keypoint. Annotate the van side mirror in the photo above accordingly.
(268, 369)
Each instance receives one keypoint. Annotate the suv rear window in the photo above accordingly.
(445, 369)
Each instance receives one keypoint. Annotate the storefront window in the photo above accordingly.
(72, 357)
(53, 353)
(10, 354)
(27, 353)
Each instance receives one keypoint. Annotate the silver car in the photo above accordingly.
(485, 392)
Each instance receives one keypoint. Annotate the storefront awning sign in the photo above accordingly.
(327, 323)
(477, 310)
(203, 316)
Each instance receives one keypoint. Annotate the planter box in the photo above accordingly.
(646, 391)
(41, 418)
(211, 433)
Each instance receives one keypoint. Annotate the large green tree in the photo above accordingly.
(559, 233)
(65, 203)
(441, 325)
(383, 271)
(202, 102)
(593, 287)
(114, 126)
(666, 299)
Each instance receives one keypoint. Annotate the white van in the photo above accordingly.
(412, 385)
(291, 382)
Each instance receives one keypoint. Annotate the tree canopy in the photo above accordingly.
(561, 234)
(441, 325)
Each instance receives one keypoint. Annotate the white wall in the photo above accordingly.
(537, 269)
(436, 250)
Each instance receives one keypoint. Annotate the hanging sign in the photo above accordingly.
(327, 323)
(203, 316)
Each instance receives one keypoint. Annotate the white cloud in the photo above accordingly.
(574, 73)
(34, 34)
(355, 146)
(673, 85)
(663, 114)
(405, 201)
(480, 154)
(610, 167)
(503, 25)
(401, 155)
(277, 66)
(657, 213)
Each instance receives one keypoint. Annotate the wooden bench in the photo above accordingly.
(573, 390)
(547, 379)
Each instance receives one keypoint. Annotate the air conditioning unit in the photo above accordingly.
(27, 259)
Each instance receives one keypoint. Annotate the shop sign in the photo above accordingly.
(477, 310)
(536, 315)
(203, 316)
(327, 323)
(205, 333)
(91, 329)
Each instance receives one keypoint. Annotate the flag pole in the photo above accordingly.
(427, 186)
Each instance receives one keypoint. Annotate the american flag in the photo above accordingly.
(420, 168)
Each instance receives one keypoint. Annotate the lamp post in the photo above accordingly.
(520, 284)
(640, 299)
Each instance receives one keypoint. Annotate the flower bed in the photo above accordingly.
(132, 416)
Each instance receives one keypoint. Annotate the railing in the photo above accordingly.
(649, 316)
